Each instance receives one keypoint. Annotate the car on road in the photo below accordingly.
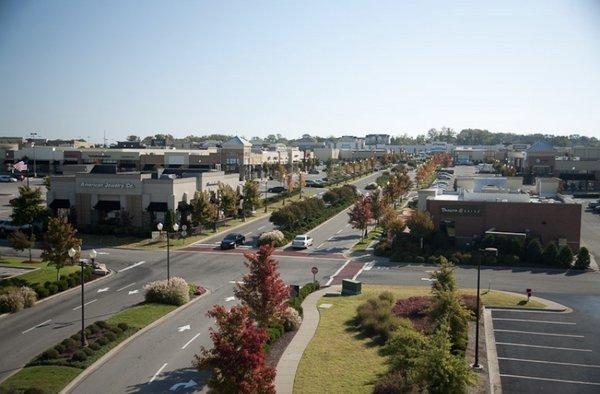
(276, 189)
(372, 186)
(7, 178)
(302, 241)
(231, 241)
(314, 183)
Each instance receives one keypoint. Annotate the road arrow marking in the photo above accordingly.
(228, 299)
(133, 292)
(185, 385)
(103, 289)
(428, 279)
(183, 328)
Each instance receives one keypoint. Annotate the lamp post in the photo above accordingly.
(72, 253)
(265, 201)
(159, 226)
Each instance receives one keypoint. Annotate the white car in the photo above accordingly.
(302, 241)
(7, 178)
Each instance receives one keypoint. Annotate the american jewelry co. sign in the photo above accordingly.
(108, 185)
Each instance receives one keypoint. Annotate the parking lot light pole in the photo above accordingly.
(477, 309)
(265, 200)
(159, 226)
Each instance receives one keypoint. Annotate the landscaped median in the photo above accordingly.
(342, 358)
(53, 369)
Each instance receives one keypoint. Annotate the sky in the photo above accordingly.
(71, 69)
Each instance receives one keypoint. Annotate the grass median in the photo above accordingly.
(51, 378)
(41, 272)
(340, 359)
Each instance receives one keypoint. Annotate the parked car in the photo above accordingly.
(372, 186)
(302, 241)
(9, 226)
(314, 172)
(231, 241)
(276, 189)
(7, 178)
(444, 176)
(314, 183)
(593, 205)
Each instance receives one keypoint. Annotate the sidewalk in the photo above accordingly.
(290, 359)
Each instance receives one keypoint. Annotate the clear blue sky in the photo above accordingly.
(76, 68)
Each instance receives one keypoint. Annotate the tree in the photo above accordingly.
(378, 205)
(237, 360)
(534, 251)
(420, 225)
(361, 215)
(583, 259)
(441, 371)
(550, 255)
(28, 208)
(203, 211)
(443, 279)
(59, 238)
(169, 220)
(262, 290)
(21, 241)
(565, 257)
(228, 199)
(251, 196)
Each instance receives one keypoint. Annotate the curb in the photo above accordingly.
(68, 291)
(113, 352)
(492, 354)
(551, 306)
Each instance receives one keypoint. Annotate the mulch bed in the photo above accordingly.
(279, 347)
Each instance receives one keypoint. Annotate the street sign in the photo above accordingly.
(314, 270)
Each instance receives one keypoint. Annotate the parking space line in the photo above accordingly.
(548, 362)
(158, 372)
(190, 341)
(539, 333)
(534, 321)
(542, 347)
(549, 379)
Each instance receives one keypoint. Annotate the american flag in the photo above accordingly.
(20, 166)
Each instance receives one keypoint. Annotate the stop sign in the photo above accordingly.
(314, 270)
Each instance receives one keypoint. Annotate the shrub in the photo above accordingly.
(88, 351)
(62, 285)
(79, 356)
(470, 303)
(29, 296)
(376, 319)
(550, 255)
(393, 383)
(296, 303)
(52, 289)
(71, 281)
(116, 330)
(69, 344)
(447, 305)
(419, 260)
(95, 328)
(275, 237)
(387, 296)
(309, 288)
(412, 307)
(111, 336)
(60, 348)
(102, 341)
(291, 319)
(172, 292)
(94, 346)
(509, 259)
(565, 257)
(534, 251)
(404, 348)
(123, 326)
(583, 259)
(50, 354)
(11, 301)
(41, 292)
(102, 324)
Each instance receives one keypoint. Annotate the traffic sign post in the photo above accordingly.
(314, 271)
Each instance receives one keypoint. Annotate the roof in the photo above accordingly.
(237, 141)
(541, 146)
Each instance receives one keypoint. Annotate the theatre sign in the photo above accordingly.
(461, 211)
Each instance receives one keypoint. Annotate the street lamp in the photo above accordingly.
(72, 253)
(159, 226)
(265, 201)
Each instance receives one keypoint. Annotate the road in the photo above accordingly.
(25, 334)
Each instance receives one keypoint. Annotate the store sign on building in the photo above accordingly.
(107, 185)
(461, 211)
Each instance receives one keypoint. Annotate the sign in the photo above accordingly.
(107, 185)
(461, 211)
(314, 270)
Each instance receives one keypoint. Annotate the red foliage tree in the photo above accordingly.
(263, 290)
(361, 215)
(237, 361)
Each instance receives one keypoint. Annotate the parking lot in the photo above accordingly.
(546, 352)
(10, 190)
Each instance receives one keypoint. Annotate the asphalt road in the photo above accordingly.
(590, 227)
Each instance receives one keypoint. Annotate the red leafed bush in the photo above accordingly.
(415, 309)
(470, 303)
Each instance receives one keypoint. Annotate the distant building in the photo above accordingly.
(378, 139)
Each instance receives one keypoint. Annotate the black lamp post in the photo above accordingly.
(159, 226)
(72, 253)
(265, 201)
(477, 309)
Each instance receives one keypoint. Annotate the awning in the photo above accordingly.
(108, 205)
(60, 203)
(158, 207)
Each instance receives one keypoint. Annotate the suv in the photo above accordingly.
(302, 241)
(231, 241)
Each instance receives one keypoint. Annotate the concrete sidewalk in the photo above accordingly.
(290, 359)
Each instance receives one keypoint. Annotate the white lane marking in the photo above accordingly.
(158, 372)
(319, 247)
(36, 326)
(87, 303)
(548, 362)
(103, 289)
(542, 347)
(103, 253)
(549, 380)
(133, 292)
(229, 299)
(261, 227)
(539, 333)
(184, 328)
(428, 279)
(329, 239)
(190, 341)
(245, 235)
(339, 231)
(132, 266)
(369, 265)
(359, 271)
(348, 225)
(337, 272)
(534, 321)
(236, 282)
(124, 287)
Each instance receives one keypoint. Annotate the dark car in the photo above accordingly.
(231, 241)
(314, 183)
(276, 189)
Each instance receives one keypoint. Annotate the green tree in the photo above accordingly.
(59, 238)
(565, 257)
(420, 225)
(443, 279)
(203, 210)
(583, 259)
(251, 196)
(21, 241)
(228, 199)
(534, 251)
(550, 254)
(28, 208)
(169, 220)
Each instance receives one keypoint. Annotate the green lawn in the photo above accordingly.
(50, 379)
(40, 275)
(341, 360)
(141, 315)
(19, 262)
